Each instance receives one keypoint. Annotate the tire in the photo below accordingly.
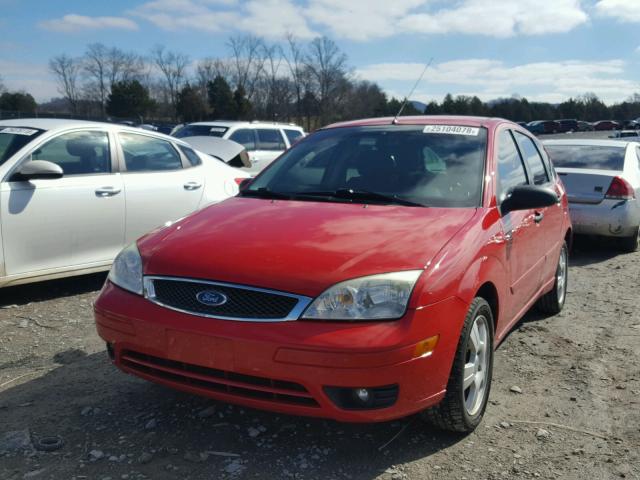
(630, 244)
(553, 302)
(462, 408)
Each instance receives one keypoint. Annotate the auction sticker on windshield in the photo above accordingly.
(19, 131)
(452, 130)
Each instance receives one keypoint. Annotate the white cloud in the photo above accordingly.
(493, 78)
(268, 18)
(622, 10)
(75, 23)
(363, 20)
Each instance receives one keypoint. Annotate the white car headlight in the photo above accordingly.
(126, 271)
(375, 297)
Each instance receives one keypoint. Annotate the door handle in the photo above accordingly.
(192, 185)
(538, 217)
(107, 191)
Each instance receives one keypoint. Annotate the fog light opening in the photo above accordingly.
(363, 395)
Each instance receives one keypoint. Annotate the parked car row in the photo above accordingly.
(573, 125)
(366, 275)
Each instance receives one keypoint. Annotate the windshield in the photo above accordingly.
(422, 165)
(200, 131)
(587, 156)
(13, 139)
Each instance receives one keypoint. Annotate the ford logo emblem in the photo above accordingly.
(211, 298)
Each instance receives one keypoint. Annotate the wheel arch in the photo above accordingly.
(489, 292)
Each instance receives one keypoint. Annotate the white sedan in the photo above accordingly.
(74, 193)
(602, 178)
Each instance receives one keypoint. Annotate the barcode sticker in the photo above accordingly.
(452, 130)
(19, 131)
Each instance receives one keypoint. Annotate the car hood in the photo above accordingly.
(297, 246)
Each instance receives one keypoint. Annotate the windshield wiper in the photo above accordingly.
(264, 192)
(352, 194)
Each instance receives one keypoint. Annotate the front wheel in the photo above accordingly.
(553, 301)
(464, 404)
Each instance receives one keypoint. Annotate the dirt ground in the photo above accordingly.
(577, 374)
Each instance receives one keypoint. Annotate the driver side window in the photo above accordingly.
(511, 170)
(77, 153)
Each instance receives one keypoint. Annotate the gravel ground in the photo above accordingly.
(565, 402)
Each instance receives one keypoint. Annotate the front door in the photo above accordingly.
(523, 236)
(72, 222)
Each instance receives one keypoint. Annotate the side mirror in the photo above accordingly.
(527, 197)
(245, 183)
(38, 170)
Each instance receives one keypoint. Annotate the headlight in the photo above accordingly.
(126, 271)
(367, 298)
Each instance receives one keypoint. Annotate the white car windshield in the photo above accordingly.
(13, 139)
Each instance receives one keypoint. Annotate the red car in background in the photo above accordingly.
(606, 125)
(366, 275)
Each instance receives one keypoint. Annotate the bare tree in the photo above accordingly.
(105, 66)
(294, 57)
(67, 72)
(327, 67)
(95, 67)
(172, 66)
(247, 60)
(2, 87)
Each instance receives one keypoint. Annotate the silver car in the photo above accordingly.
(602, 178)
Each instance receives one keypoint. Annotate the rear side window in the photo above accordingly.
(192, 156)
(270, 139)
(77, 153)
(200, 131)
(245, 137)
(511, 171)
(292, 135)
(148, 154)
(587, 156)
(533, 159)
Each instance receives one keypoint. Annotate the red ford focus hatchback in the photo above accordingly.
(366, 275)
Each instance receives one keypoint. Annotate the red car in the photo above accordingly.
(366, 275)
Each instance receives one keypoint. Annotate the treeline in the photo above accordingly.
(587, 107)
(309, 83)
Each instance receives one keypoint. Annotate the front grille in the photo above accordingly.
(242, 303)
(246, 386)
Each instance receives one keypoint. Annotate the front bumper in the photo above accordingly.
(283, 367)
(609, 218)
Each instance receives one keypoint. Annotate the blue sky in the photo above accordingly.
(543, 49)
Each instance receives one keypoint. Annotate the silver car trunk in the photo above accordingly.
(586, 186)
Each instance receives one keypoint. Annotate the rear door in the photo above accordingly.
(72, 222)
(548, 220)
(523, 237)
(270, 145)
(160, 184)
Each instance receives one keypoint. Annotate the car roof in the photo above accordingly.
(49, 123)
(590, 142)
(462, 120)
(233, 123)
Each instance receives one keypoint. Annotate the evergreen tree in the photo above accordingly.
(221, 99)
(129, 99)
